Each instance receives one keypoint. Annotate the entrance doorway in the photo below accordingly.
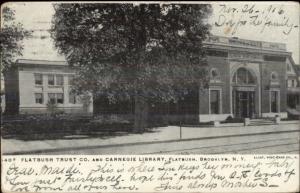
(244, 104)
(244, 88)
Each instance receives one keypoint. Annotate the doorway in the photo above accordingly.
(244, 102)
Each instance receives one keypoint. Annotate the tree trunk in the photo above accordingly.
(140, 114)
(141, 105)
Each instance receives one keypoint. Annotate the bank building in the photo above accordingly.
(248, 79)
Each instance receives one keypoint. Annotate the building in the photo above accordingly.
(32, 85)
(293, 89)
(248, 79)
(2, 95)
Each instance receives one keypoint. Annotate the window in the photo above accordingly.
(274, 101)
(38, 79)
(214, 74)
(51, 79)
(55, 80)
(38, 98)
(274, 76)
(214, 102)
(51, 98)
(71, 78)
(289, 83)
(56, 98)
(72, 98)
(293, 83)
(243, 76)
(289, 68)
(60, 98)
(59, 80)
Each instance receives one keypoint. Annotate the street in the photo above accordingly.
(276, 138)
(279, 143)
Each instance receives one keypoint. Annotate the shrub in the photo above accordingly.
(38, 127)
(53, 110)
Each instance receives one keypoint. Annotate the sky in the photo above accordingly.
(276, 22)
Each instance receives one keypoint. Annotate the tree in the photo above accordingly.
(52, 109)
(11, 37)
(145, 52)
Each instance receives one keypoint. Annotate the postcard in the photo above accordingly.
(153, 96)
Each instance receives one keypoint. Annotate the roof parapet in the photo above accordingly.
(234, 41)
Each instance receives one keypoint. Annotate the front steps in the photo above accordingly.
(256, 122)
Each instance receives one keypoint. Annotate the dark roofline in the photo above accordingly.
(245, 49)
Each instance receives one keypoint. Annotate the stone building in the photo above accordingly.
(247, 79)
(31, 85)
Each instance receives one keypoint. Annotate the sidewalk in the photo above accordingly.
(157, 135)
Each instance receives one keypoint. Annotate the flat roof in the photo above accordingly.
(41, 62)
(245, 43)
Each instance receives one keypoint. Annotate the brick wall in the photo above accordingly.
(221, 64)
(266, 70)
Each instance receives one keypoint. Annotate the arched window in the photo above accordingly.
(214, 74)
(243, 76)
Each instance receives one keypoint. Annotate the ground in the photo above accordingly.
(266, 139)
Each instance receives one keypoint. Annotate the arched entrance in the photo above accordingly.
(244, 84)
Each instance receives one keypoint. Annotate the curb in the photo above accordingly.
(143, 143)
(240, 124)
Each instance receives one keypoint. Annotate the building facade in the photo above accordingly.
(247, 79)
(293, 89)
(32, 85)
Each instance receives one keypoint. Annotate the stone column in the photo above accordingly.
(66, 89)
(45, 89)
